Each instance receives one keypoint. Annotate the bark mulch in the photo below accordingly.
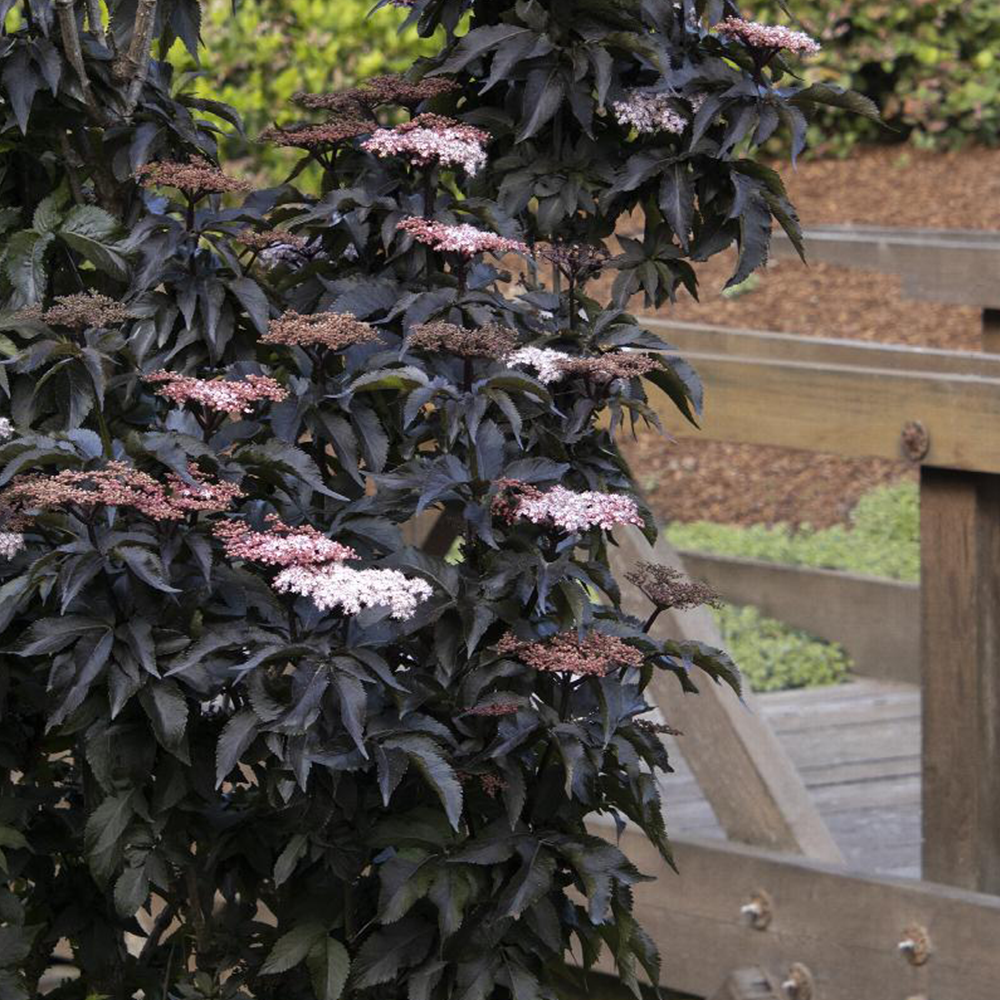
(894, 186)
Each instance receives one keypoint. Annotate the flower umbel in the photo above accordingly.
(595, 655)
(462, 239)
(196, 177)
(11, 542)
(563, 508)
(333, 585)
(281, 544)
(546, 362)
(649, 112)
(233, 397)
(666, 587)
(430, 139)
(764, 36)
(332, 330)
(80, 311)
(490, 341)
(331, 133)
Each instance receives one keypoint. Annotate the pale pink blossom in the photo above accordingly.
(334, 585)
(429, 139)
(225, 396)
(544, 360)
(281, 544)
(565, 509)
(764, 36)
(11, 542)
(463, 238)
(649, 112)
(594, 655)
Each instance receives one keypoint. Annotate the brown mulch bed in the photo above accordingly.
(895, 186)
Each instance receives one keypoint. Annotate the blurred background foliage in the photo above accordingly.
(932, 66)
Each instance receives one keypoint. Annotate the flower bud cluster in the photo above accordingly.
(196, 177)
(648, 112)
(563, 508)
(268, 238)
(80, 311)
(595, 655)
(490, 341)
(328, 329)
(551, 365)
(764, 36)
(234, 397)
(463, 239)
(281, 544)
(330, 133)
(430, 139)
(666, 587)
(11, 542)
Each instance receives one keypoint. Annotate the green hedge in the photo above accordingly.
(932, 67)
(883, 538)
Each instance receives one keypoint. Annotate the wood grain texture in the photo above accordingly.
(960, 554)
(844, 927)
(744, 772)
(749, 984)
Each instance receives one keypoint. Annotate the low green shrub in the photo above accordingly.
(774, 657)
(882, 540)
(932, 68)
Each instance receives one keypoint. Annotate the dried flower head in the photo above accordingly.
(330, 133)
(490, 341)
(234, 396)
(595, 655)
(376, 91)
(564, 509)
(329, 329)
(197, 177)
(80, 311)
(578, 261)
(772, 37)
(463, 239)
(666, 587)
(648, 112)
(334, 585)
(430, 139)
(281, 544)
(119, 485)
(271, 238)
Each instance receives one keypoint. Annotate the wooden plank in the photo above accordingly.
(877, 621)
(744, 771)
(960, 553)
(844, 927)
(699, 338)
(749, 984)
(856, 412)
(957, 266)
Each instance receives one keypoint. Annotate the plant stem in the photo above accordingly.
(74, 54)
(137, 58)
(652, 618)
(429, 193)
(95, 21)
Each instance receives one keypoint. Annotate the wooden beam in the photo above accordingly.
(877, 621)
(846, 410)
(938, 265)
(749, 984)
(845, 928)
(743, 770)
(960, 554)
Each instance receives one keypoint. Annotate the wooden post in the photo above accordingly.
(748, 984)
(960, 664)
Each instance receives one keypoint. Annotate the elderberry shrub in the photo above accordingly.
(256, 741)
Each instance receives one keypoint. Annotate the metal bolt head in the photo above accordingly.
(799, 983)
(915, 945)
(915, 441)
(758, 910)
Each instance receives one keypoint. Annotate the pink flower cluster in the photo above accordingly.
(281, 544)
(119, 485)
(333, 585)
(463, 238)
(11, 542)
(233, 397)
(563, 508)
(764, 36)
(648, 113)
(431, 138)
(595, 655)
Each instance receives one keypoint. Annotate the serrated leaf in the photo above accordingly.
(167, 709)
(237, 734)
(438, 773)
(25, 265)
(329, 966)
(292, 948)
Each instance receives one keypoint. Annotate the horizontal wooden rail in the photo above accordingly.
(938, 265)
(877, 621)
(846, 928)
(857, 410)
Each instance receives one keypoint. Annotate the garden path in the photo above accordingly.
(857, 747)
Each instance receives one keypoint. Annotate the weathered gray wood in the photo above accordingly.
(958, 266)
(844, 927)
(877, 621)
(960, 553)
(749, 984)
(743, 770)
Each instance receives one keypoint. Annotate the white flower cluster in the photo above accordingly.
(334, 585)
(648, 112)
(11, 542)
(573, 511)
(544, 360)
(6, 428)
(431, 138)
